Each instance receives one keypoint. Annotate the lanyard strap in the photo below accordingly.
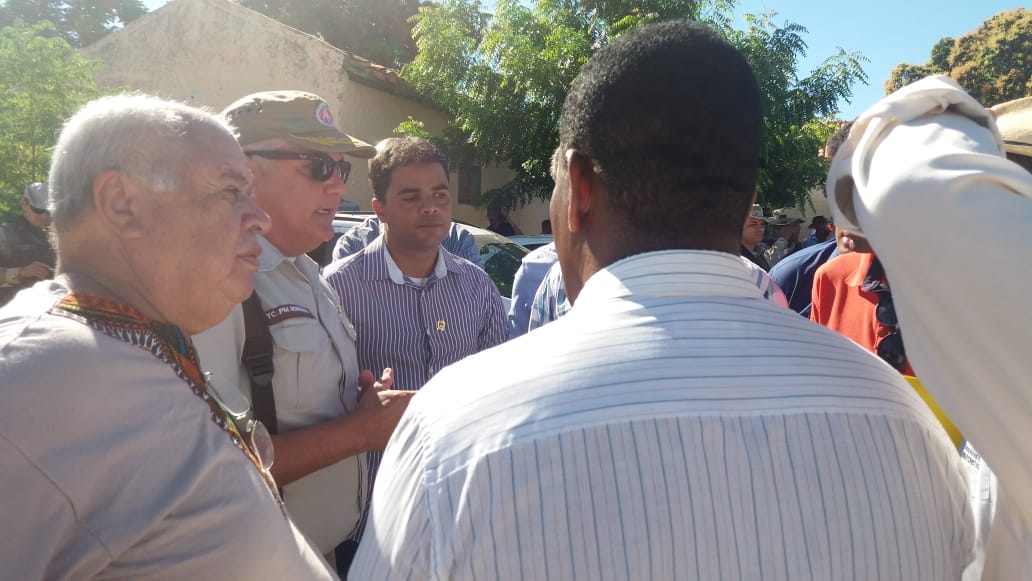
(165, 342)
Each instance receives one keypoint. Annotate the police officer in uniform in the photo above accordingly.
(300, 161)
(25, 252)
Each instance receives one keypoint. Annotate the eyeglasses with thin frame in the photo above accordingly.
(254, 433)
(322, 166)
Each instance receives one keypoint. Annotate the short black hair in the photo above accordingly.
(395, 152)
(671, 115)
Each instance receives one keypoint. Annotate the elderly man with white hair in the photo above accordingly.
(117, 459)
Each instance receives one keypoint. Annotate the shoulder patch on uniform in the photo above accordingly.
(285, 312)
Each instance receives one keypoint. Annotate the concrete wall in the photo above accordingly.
(212, 52)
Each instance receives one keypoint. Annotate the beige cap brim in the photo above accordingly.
(1018, 147)
(1014, 120)
(333, 142)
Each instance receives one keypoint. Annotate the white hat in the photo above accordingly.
(1014, 120)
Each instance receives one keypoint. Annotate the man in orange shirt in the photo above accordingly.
(851, 296)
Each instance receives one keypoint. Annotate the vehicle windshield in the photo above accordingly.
(501, 262)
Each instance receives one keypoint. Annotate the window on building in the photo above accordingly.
(468, 183)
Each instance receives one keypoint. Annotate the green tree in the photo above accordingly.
(798, 111)
(43, 80)
(80, 22)
(503, 77)
(378, 30)
(992, 63)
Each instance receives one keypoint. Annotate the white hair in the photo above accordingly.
(141, 136)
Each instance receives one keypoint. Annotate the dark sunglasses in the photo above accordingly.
(322, 166)
(38, 211)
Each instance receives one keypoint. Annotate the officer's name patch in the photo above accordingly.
(285, 312)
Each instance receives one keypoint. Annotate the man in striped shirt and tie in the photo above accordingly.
(668, 427)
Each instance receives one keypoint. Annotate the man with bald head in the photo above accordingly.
(117, 458)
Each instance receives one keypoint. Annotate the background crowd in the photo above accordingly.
(685, 385)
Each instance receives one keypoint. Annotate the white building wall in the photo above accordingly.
(212, 52)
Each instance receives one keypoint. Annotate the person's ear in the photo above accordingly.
(118, 200)
(582, 183)
(378, 208)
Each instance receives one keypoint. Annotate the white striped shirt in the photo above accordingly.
(550, 301)
(674, 425)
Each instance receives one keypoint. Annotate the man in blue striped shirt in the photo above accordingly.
(416, 307)
(673, 424)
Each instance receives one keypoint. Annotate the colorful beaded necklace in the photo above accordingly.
(168, 344)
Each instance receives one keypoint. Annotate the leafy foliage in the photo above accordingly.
(992, 63)
(80, 22)
(378, 30)
(503, 77)
(798, 111)
(43, 80)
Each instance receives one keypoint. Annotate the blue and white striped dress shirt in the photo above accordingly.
(416, 330)
(674, 425)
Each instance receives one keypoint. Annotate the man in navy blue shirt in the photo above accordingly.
(794, 273)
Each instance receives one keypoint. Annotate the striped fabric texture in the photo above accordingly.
(416, 330)
(550, 300)
(674, 425)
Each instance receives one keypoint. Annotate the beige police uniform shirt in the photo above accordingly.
(316, 380)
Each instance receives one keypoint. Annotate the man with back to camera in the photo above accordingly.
(25, 252)
(669, 427)
(117, 459)
(534, 268)
(300, 163)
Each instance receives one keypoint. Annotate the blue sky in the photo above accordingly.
(886, 32)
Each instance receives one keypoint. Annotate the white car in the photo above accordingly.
(501, 256)
(532, 241)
